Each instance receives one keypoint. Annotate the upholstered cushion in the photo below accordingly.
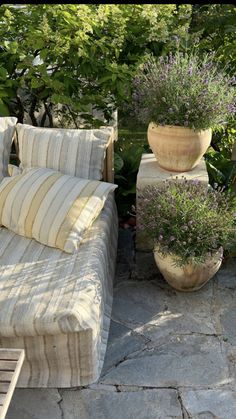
(53, 208)
(74, 152)
(7, 127)
(14, 170)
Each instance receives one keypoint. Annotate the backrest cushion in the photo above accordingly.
(52, 208)
(74, 152)
(7, 128)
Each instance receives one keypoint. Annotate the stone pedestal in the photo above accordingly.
(150, 173)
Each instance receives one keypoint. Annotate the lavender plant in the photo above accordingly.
(183, 90)
(186, 219)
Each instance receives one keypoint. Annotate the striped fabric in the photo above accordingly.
(56, 305)
(7, 128)
(74, 152)
(53, 208)
(14, 170)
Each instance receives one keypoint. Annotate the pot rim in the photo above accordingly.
(218, 253)
(176, 127)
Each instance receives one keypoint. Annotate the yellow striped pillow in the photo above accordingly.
(52, 208)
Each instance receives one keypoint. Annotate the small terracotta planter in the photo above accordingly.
(176, 148)
(190, 277)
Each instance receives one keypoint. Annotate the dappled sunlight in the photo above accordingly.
(47, 290)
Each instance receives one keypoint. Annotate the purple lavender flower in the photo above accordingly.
(209, 98)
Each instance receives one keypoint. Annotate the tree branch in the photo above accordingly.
(21, 109)
(72, 116)
(32, 110)
(48, 112)
(43, 120)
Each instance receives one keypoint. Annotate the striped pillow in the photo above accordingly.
(74, 152)
(53, 208)
(7, 127)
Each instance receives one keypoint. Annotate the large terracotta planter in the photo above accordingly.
(178, 149)
(190, 277)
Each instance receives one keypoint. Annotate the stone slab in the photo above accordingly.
(145, 267)
(193, 361)
(155, 310)
(121, 343)
(210, 404)
(231, 356)
(150, 173)
(35, 404)
(143, 404)
(227, 274)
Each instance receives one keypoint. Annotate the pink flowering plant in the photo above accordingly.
(185, 91)
(186, 219)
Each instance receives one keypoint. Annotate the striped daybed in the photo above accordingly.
(56, 306)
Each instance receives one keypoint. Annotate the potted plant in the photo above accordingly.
(182, 98)
(190, 225)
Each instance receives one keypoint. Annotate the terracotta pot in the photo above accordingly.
(190, 277)
(178, 149)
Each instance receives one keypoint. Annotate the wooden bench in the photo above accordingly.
(11, 361)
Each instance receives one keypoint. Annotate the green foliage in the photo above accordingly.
(213, 29)
(127, 159)
(186, 220)
(69, 58)
(221, 169)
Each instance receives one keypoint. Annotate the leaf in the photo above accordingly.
(3, 109)
(118, 162)
(132, 190)
(216, 174)
(3, 73)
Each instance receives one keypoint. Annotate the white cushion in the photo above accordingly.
(74, 152)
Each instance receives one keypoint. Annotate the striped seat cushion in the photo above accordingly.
(7, 128)
(52, 208)
(74, 152)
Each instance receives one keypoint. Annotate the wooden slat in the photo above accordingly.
(108, 172)
(6, 375)
(7, 365)
(11, 361)
(13, 354)
(4, 387)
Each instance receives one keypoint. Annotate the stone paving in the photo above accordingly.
(169, 355)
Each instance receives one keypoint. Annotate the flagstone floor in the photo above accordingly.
(169, 355)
